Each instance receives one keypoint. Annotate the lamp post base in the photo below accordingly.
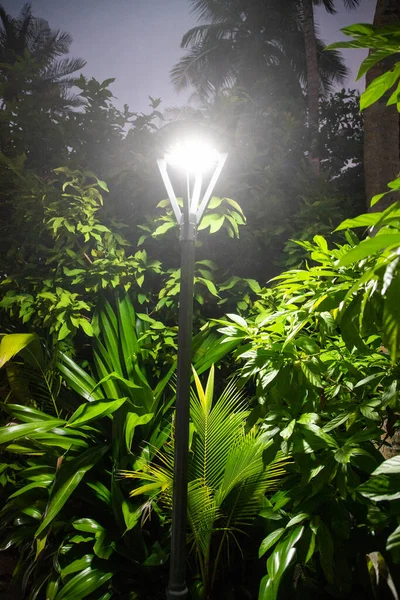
(177, 594)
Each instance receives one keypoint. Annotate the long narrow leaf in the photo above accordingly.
(67, 479)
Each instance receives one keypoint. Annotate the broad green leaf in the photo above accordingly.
(94, 410)
(238, 320)
(103, 547)
(43, 483)
(336, 422)
(131, 514)
(67, 479)
(13, 432)
(132, 421)
(83, 584)
(310, 371)
(391, 319)
(287, 432)
(52, 586)
(161, 229)
(283, 554)
(78, 379)
(366, 220)
(87, 525)
(379, 86)
(393, 541)
(77, 565)
(12, 343)
(389, 467)
(372, 59)
(297, 519)
(64, 332)
(344, 454)
(58, 439)
(27, 414)
(270, 540)
(381, 487)
(129, 341)
(368, 247)
(317, 438)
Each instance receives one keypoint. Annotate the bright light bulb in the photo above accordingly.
(193, 157)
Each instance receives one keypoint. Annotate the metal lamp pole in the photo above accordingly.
(189, 219)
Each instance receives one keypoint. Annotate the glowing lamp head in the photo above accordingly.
(192, 157)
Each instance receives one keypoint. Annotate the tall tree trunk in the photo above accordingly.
(312, 79)
(381, 123)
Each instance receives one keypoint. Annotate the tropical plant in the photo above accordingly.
(382, 73)
(228, 478)
(66, 502)
(29, 52)
(250, 44)
(306, 8)
(67, 431)
(323, 348)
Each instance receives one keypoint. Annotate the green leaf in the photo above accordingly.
(269, 541)
(238, 320)
(77, 565)
(83, 584)
(13, 432)
(26, 414)
(287, 432)
(317, 438)
(94, 410)
(87, 525)
(131, 422)
(370, 246)
(216, 224)
(78, 379)
(379, 86)
(297, 519)
(103, 547)
(12, 343)
(67, 479)
(391, 319)
(86, 326)
(389, 467)
(310, 371)
(130, 513)
(366, 220)
(64, 331)
(372, 59)
(283, 555)
(164, 228)
(43, 483)
(393, 541)
(381, 487)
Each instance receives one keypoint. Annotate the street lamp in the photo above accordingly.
(195, 160)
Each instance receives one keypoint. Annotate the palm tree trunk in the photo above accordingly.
(312, 79)
(381, 123)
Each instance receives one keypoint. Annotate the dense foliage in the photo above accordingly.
(290, 494)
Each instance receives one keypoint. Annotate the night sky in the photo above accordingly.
(138, 41)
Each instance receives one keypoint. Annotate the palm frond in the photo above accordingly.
(216, 429)
(331, 67)
(227, 476)
(214, 11)
(61, 69)
(206, 66)
(197, 35)
(350, 4)
(202, 514)
(329, 5)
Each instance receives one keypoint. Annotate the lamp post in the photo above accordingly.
(195, 161)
